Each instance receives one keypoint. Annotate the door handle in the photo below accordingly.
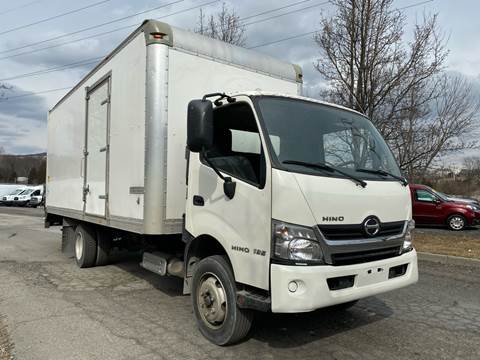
(198, 200)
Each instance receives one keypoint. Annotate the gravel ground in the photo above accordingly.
(54, 310)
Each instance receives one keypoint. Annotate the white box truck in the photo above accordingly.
(203, 155)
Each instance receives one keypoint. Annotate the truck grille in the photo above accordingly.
(349, 232)
(359, 257)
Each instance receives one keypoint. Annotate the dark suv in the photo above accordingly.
(433, 208)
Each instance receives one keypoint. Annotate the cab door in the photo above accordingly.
(241, 224)
(96, 148)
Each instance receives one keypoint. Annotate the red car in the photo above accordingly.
(433, 208)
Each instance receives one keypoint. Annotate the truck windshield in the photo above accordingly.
(16, 192)
(302, 131)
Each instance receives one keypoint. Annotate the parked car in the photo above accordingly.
(7, 200)
(433, 208)
(23, 199)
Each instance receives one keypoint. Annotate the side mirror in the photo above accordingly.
(229, 187)
(199, 125)
(437, 201)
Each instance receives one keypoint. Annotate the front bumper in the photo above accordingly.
(475, 219)
(313, 291)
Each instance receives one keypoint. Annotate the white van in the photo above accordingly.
(7, 200)
(23, 198)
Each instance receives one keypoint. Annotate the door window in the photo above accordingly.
(237, 148)
(425, 196)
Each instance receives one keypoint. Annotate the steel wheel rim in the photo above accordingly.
(457, 222)
(212, 301)
(78, 246)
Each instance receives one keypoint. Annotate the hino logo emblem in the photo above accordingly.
(371, 226)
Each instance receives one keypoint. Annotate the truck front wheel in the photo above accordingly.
(85, 246)
(214, 302)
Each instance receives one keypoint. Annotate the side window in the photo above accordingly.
(36, 193)
(425, 196)
(237, 148)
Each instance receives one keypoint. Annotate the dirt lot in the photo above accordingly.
(441, 241)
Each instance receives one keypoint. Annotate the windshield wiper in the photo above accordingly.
(326, 167)
(384, 173)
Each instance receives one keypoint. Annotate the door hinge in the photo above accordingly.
(103, 197)
(86, 190)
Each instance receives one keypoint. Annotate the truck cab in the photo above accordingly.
(305, 197)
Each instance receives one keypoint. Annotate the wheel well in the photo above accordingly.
(455, 214)
(198, 249)
(203, 246)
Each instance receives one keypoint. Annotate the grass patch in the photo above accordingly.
(6, 347)
(448, 242)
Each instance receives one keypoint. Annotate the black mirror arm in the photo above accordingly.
(209, 162)
(228, 185)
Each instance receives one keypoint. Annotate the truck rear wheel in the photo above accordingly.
(214, 302)
(85, 246)
(104, 246)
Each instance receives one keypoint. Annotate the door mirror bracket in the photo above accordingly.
(229, 186)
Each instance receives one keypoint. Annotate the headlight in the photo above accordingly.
(297, 243)
(407, 242)
(473, 207)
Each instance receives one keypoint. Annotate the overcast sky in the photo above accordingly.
(23, 118)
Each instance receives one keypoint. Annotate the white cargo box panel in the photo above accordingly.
(116, 142)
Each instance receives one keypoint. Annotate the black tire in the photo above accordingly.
(456, 222)
(344, 306)
(85, 246)
(68, 240)
(104, 247)
(236, 322)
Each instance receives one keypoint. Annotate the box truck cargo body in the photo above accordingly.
(203, 155)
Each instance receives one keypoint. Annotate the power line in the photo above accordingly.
(286, 13)
(34, 93)
(284, 39)
(91, 27)
(104, 33)
(272, 10)
(415, 4)
(54, 17)
(94, 60)
(136, 14)
(314, 31)
(56, 68)
(20, 7)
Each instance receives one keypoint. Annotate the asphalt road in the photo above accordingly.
(50, 309)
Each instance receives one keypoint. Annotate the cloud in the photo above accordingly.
(28, 106)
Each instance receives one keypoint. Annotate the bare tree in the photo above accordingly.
(225, 25)
(471, 166)
(400, 86)
(442, 128)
